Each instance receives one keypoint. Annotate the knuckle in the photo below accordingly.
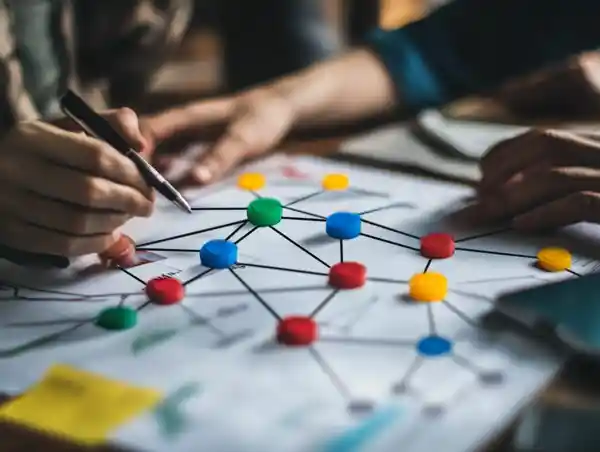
(98, 155)
(126, 114)
(93, 191)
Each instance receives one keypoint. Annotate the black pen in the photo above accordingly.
(98, 127)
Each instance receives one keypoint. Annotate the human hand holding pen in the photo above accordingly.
(64, 193)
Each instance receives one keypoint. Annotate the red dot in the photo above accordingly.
(165, 291)
(297, 331)
(437, 246)
(347, 275)
(121, 253)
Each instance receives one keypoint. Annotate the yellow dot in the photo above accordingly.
(428, 287)
(335, 182)
(554, 259)
(251, 181)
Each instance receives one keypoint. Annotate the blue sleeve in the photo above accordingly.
(471, 46)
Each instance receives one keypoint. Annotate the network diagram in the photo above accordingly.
(426, 287)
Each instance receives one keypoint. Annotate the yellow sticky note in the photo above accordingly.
(78, 405)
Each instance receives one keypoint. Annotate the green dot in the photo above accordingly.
(117, 318)
(264, 212)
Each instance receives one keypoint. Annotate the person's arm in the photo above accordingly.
(471, 46)
(15, 101)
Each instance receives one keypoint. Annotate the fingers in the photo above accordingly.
(535, 188)
(571, 209)
(66, 184)
(510, 157)
(77, 151)
(66, 218)
(27, 237)
(260, 123)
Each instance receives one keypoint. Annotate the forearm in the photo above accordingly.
(464, 48)
(351, 88)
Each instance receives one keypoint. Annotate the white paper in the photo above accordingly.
(229, 387)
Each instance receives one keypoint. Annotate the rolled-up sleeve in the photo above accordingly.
(470, 46)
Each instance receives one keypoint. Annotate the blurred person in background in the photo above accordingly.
(66, 193)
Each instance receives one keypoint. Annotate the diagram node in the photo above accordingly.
(165, 290)
(554, 259)
(428, 287)
(218, 254)
(437, 246)
(335, 182)
(117, 318)
(432, 346)
(251, 181)
(121, 253)
(297, 331)
(347, 275)
(264, 212)
(343, 225)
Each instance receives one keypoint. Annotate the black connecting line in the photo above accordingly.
(304, 198)
(297, 245)
(283, 269)
(324, 303)
(387, 228)
(236, 230)
(256, 295)
(389, 242)
(128, 273)
(189, 234)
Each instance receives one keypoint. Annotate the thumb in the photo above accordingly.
(127, 123)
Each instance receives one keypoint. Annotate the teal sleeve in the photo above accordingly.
(471, 46)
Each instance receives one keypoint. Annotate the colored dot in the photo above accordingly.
(343, 225)
(165, 290)
(347, 275)
(437, 246)
(297, 331)
(428, 287)
(251, 181)
(554, 259)
(218, 254)
(121, 253)
(335, 182)
(434, 346)
(117, 318)
(264, 212)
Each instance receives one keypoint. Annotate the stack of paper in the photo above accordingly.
(435, 144)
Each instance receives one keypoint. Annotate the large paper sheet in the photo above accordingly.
(386, 371)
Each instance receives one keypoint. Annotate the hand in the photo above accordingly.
(541, 180)
(569, 90)
(341, 91)
(249, 125)
(64, 193)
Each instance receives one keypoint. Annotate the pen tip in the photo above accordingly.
(183, 205)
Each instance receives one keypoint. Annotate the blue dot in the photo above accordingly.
(343, 225)
(218, 254)
(434, 346)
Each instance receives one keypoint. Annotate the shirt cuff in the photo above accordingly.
(415, 80)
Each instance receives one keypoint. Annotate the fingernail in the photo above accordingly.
(203, 174)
